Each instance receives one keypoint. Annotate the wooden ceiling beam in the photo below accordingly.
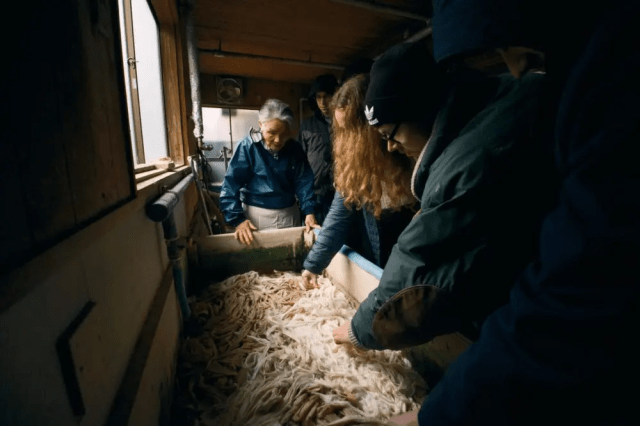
(166, 11)
(383, 9)
(221, 54)
(307, 21)
(262, 68)
(213, 39)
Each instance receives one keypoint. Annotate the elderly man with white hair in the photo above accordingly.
(266, 174)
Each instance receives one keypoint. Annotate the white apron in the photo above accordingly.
(272, 218)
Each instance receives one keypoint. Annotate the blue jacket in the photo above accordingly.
(381, 234)
(563, 349)
(256, 178)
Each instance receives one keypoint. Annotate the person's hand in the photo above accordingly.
(341, 334)
(310, 279)
(311, 223)
(406, 419)
(244, 232)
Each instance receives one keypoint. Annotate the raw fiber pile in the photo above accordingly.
(267, 357)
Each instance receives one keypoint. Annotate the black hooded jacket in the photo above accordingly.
(315, 138)
(562, 350)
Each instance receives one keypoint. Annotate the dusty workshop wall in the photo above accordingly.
(120, 272)
(63, 140)
(74, 230)
(256, 92)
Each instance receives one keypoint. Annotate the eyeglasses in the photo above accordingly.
(391, 136)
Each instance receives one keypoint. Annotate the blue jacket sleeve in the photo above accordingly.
(237, 176)
(304, 185)
(561, 351)
(332, 236)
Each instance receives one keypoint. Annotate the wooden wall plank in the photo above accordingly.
(170, 74)
(22, 279)
(189, 142)
(96, 137)
(166, 11)
(155, 393)
(40, 149)
(16, 240)
(125, 398)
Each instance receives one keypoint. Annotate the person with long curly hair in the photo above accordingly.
(484, 177)
(367, 178)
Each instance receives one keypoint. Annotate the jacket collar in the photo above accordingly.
(432, 149)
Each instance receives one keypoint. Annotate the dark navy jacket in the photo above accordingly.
(381, 234)
(484, 183)
(256, 178)
(563, 350)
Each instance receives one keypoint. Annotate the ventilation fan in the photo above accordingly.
(229, 90)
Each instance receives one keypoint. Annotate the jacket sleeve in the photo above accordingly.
(302, 137)
(237, 176)
(420, 257)
(561, 350)
(465, 248)
(332, 236)
(304, 184)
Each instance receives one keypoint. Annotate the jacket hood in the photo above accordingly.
(327, 83)
(559, 30)
(464, 26)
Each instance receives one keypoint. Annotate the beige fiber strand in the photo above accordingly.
(267, 358)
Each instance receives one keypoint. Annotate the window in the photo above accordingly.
(143, 72)
(224, 127)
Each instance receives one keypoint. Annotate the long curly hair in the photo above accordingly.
(365, 173)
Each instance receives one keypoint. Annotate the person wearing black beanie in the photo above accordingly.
(560, 351)
(406, 87)
(478, 166)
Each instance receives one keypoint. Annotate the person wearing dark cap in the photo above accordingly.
(561, 351)
(478, 168)
(315, 138)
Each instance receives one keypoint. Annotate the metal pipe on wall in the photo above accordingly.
(163, 207)
(220, 54)
(194, 74)
(177, 257)
(162, 211)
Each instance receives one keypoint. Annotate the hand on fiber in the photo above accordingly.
(244, 232)
(406, 419)
(341, 334)
(310, 280)
(311, 223)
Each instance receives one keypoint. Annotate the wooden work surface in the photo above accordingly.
(220, 256)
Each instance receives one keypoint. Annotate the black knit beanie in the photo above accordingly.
(405, 85)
